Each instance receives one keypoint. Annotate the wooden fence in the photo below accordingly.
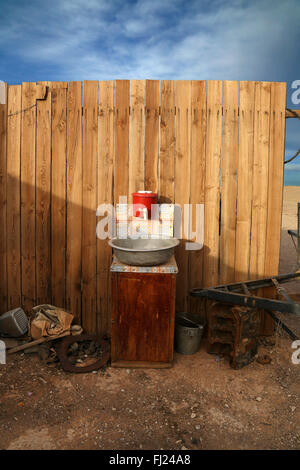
(69, 147)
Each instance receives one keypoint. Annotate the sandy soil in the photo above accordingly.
(288, 260)
(201, 403)
(288, 253)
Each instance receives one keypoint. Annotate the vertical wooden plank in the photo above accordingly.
(197, 190)
(182, 178)
(137, 137)
(28, 167)
(167, 142)
(121, 174)
(275, 190)
(13, 196)
(58, 196)
(3, 202)
(43, 197)
(229, 181)
(212, 183)
(152, 135)
(89, 202)
(276, 167)
(260, 179)
(54, 85)
(105, 193)
(114, 315)
(245, 180)
(74, 199)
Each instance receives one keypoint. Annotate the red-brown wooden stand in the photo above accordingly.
(143, 311)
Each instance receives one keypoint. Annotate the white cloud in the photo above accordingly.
(98, 39)
(170, 39)
(292, 167)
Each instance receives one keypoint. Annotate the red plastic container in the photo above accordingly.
(143, 199)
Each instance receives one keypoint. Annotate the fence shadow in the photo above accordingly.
(53, 256)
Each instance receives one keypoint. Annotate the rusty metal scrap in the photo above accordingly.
(234, 330)
(68, 366)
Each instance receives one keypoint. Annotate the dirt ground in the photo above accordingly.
(201, 403)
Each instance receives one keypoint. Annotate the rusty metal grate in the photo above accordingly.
(234, 331)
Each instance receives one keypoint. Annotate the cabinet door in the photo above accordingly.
(144, 322)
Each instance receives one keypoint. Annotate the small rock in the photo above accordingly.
(219, 358)
(264, 359)
(42, 380)
(258, 399)
(293, 408)
(193, 415)
(183, 448)
(226, 406)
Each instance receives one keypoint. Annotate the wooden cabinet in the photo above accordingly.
(143, 311)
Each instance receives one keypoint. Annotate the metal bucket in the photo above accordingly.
(188, 335)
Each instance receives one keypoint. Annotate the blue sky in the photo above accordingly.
(175, 39)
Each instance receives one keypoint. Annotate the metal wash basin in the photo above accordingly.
(143, 252)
